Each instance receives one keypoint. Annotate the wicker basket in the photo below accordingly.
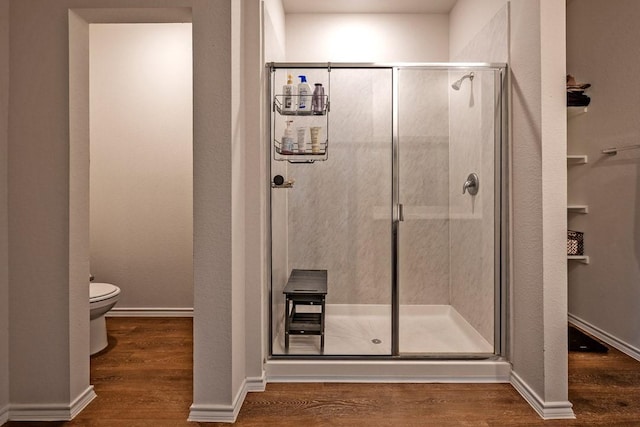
(575, 243)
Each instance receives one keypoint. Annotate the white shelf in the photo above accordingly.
(580, 258)
(583, 209)
(577, 159)
(576, 111)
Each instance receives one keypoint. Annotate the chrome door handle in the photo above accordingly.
(472, 184)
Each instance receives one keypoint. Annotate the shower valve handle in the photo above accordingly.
(472, 184)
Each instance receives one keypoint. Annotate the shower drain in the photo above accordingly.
(376, 341)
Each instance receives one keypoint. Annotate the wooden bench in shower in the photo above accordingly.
(305, 288)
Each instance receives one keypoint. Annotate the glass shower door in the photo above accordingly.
(333, 216)
(446, 237)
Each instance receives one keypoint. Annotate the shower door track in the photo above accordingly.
(389, 65)
(501, 210)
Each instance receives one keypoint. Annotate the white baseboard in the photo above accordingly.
(257, 383)
(4, 415)
(150, 312)
(546, 410)
(207, 413)
(51, 412)
(606, 337)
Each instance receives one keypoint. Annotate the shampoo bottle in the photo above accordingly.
(304, 94)
(317, 103)
(287, 139)
(289, 92)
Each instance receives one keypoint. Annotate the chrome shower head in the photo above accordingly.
(456, 85)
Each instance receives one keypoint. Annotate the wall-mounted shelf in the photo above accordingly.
(577, 159)
(312, 122)
(321, 111)
(580, 258)
(576, 111)
(582, 209)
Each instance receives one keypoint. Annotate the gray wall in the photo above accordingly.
(539, 265)
(4, 271)
(602, 48)
(47, 346)
(39, 199)
(538, 297)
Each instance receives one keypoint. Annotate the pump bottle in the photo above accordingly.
(304, 94)
(287, 139)
(289, 92)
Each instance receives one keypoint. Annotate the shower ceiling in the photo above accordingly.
(368, 6)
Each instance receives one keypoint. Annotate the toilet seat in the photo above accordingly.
(102, 291)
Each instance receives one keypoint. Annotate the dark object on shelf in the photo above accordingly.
(575, 93)
(305, 288)
(577, 99)
(575, 242)
(579, 341)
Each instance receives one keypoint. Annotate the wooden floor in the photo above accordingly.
(144, 378)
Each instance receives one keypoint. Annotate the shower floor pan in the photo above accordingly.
(365, 329)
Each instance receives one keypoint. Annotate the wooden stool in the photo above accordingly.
(305, 287)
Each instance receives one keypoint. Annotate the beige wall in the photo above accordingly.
(4, 271)
(274, 30)
(367, 37)
(466, 20)
(142, 162)
(602, 49)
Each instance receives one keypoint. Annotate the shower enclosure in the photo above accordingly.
(387, 232)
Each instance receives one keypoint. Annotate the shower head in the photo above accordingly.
(456, 85)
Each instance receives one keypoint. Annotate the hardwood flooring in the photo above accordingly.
(144, 378)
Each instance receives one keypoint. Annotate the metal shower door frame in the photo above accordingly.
(501, 208)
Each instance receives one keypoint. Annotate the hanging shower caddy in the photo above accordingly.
(307, 119)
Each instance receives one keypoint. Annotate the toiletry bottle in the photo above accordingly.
(289, 92)
(304, 94)
(317, 102)
(315, 139)
(287, 139)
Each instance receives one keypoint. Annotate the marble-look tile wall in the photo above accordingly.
(337, 216)
(423, 150)
(472, 217)
(472, 148)
(339, 210)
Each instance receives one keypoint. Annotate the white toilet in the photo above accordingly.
(102, 298)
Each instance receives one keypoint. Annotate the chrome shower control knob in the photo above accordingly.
(472, 184)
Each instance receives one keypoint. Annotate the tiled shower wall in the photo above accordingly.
(423, 130)
(472, 217)
(472, 150)
(339, 211)
(338, 214)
